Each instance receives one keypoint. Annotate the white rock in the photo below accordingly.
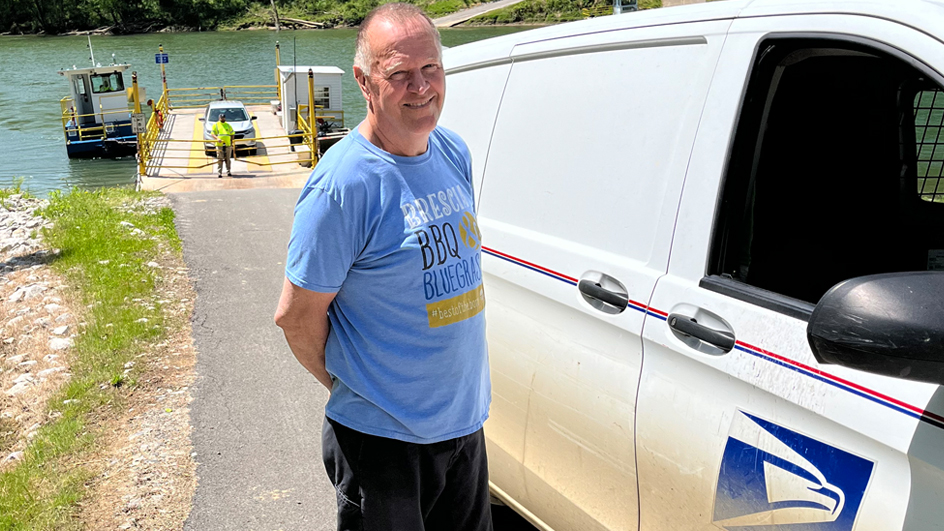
(142, 320)
(137, 232)
(15, 456)
(52, 308)
(17, 295)
(18, 388)
(60, 343)
(154, 265)
(15, 320)
(50, 357)
(126, 224)
(42, 321)
(51, 370)
(16, 359)
(63, 318)
(27, 363)
(104, 262)
(9, 340)
(25, 377)
(60, 330)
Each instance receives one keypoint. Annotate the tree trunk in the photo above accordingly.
(275, 12)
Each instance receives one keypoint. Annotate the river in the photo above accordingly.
(32, 147)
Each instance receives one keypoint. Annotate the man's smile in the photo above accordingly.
(419, 105)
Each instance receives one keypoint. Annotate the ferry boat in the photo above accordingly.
(96, 117)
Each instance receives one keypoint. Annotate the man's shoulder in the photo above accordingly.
(347, 165)
(450, 141)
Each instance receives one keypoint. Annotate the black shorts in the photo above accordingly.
(389, 485)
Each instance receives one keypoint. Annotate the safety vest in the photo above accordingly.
(224, 132)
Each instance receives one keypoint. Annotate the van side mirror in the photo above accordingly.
(890, 324)
(254, 118)
(202, 119)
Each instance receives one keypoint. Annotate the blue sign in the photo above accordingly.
(161, 58)
(774, 479)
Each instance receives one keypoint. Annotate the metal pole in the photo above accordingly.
(311, 116)
(137, 110)
(160, 48)
(278, 78)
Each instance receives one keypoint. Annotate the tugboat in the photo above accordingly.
(96, 118)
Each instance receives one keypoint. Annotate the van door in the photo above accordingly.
(827, 152)
(579, 199)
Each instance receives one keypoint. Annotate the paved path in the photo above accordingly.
(459, 17)
(256, 413)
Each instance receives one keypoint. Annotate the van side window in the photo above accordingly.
(929, 118)
(835, 173)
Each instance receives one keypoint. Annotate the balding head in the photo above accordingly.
(397, 14)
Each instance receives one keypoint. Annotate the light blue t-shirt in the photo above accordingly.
(397, 239)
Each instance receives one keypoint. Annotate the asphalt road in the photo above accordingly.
(256, 413)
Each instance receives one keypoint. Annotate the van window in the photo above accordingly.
(835, 173)
(929, 115)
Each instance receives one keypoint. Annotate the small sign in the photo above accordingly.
(138, 123)
(161, 58)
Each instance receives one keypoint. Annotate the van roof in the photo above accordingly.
(924, 15)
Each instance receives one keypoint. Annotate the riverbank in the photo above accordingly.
(96, 363)
(255, 16)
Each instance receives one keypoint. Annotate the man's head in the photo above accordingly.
(398, 66)
(222, 117)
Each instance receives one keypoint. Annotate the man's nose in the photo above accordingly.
(418, 81)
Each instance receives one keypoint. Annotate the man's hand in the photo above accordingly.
(303, 317)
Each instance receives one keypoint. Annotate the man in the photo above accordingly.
(223, 134)
(383, 297)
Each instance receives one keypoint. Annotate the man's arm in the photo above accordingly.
(303, 317)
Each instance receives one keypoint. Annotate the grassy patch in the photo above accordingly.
(548, 11)
(105, 249)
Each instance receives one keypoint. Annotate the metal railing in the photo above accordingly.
(73, 129)
(196, 97)
(156, 150)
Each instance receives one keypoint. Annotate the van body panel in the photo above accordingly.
(611, 147)
(561, 368)
(865, 424)
(485, 87)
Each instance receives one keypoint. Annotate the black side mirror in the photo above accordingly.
(890, 324)
(202, 119)
(254, 118)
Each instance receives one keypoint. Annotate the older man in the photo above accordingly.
(383, 298)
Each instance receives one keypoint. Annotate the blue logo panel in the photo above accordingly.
(774, 479)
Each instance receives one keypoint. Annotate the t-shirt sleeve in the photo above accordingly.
(323, 245)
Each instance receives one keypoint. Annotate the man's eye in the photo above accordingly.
(430, 67)
(399, 75)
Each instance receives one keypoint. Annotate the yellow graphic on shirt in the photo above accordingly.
(469, 231)
(456, 309)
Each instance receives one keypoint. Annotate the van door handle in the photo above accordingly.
(595, 291)
(688, 326)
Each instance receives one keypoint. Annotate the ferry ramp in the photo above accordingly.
(174, 156)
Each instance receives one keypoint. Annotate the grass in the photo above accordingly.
(105, 261)
(548, 11)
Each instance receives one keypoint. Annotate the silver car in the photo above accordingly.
(237, 117)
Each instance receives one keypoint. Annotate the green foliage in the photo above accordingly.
(549, 11)
(105, 261)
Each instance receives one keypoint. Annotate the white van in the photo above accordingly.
(666, 200)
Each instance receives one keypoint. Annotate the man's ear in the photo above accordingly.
(362, 82)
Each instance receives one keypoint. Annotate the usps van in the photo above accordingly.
(714, 250)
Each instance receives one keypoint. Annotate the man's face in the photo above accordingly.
(407, 85)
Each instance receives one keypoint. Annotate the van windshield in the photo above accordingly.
(233, 114)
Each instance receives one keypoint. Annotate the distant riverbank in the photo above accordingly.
(184, 16)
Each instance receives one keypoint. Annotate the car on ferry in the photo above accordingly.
(718, 304)
(238, 117)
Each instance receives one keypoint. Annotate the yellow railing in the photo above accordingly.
(195, 97)
(154, 149)
(71, 127)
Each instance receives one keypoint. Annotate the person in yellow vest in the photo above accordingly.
(223, 134)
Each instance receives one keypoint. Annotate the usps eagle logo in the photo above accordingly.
(774, 479)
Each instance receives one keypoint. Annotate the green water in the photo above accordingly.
(31, 140)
